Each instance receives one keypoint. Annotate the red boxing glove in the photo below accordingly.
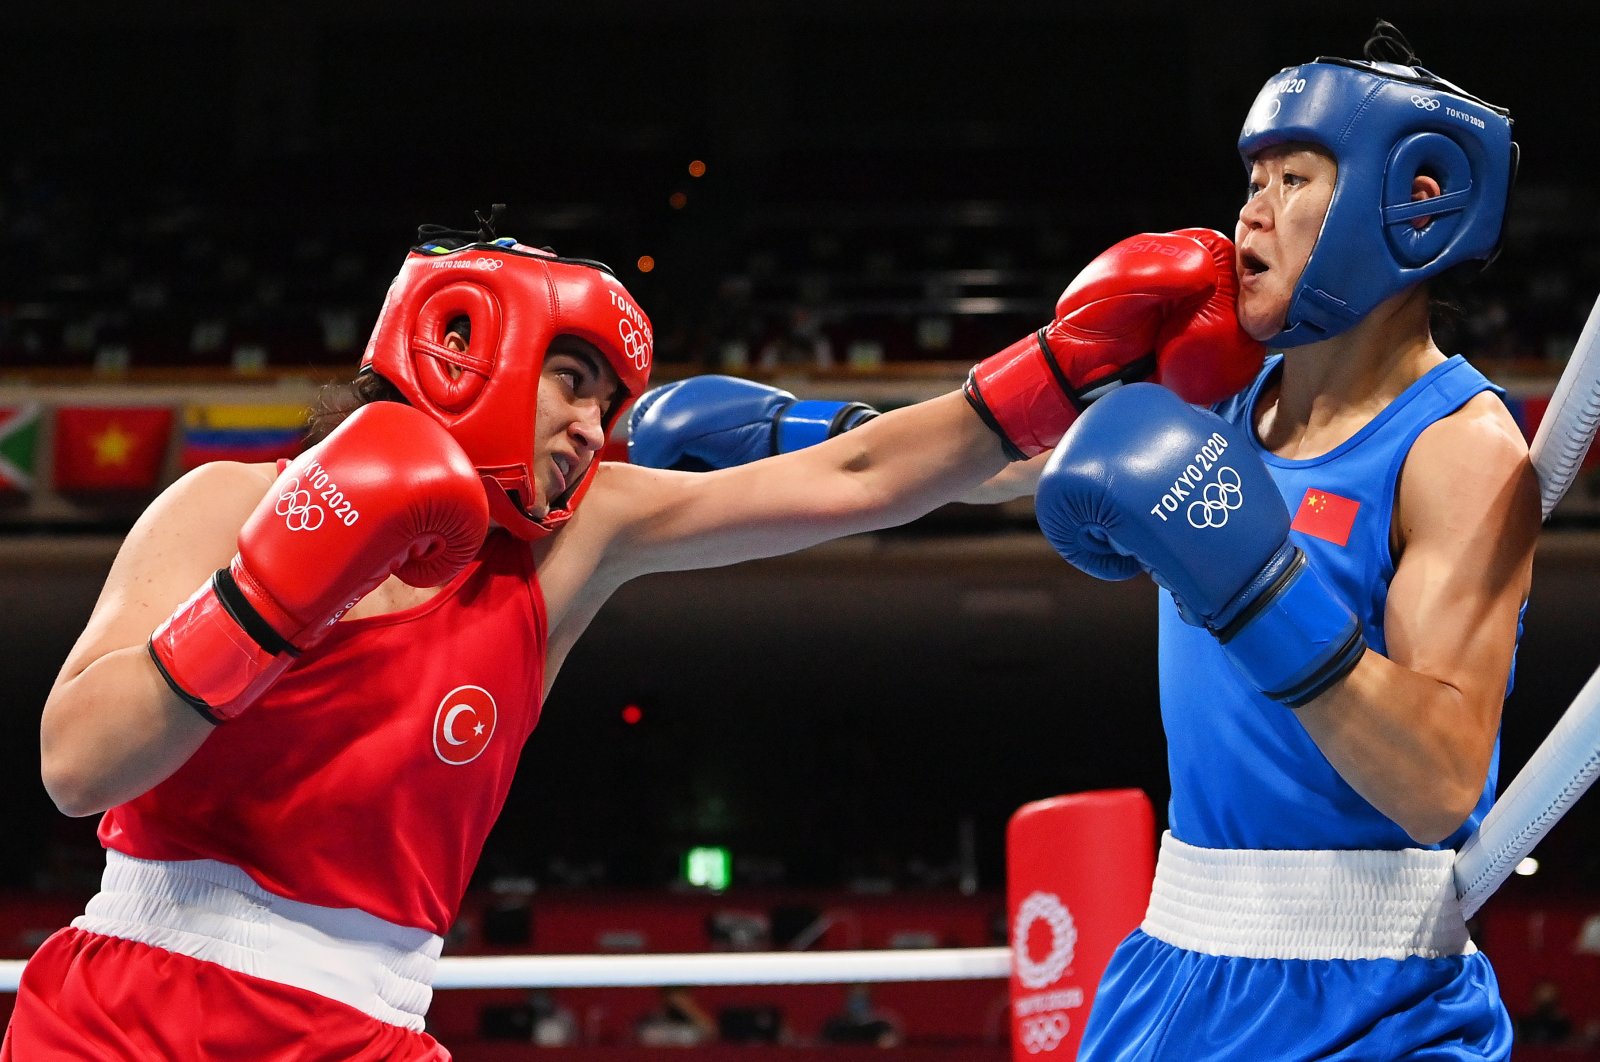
(1204, 355)
(1113, 325)
(387, 492)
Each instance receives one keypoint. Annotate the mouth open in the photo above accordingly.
(564, 467)
(1251, 265)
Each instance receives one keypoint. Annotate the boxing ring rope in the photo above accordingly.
(1567, 762)
(716, 968)
(1568, 428)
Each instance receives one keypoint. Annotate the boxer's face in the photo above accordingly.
(576, 389)
(1290, 188)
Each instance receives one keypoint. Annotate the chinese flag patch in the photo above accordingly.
(1326, 516)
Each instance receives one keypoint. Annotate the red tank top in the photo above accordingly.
(370, 774)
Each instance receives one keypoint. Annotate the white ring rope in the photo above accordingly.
(1567, 762)
(1560, 771)
(745, 968)
(1568, 427)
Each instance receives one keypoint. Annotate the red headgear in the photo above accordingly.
(518, 299)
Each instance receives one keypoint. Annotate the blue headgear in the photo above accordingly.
(1385, 123)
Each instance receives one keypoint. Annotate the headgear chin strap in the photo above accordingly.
(1384, 124)
(518, 299)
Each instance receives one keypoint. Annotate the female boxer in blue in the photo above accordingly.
(1345, 550)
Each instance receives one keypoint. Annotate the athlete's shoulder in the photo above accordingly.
(211, 500)
(613, 502)
(1480, 429)
(1471, 464)
(225, 479)
(623, 495)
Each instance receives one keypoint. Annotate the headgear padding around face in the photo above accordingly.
(518, 299)
(1385, 124)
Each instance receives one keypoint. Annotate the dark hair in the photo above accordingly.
(1388, 45)
(1449, 297)
(335, 402)
(453, 239)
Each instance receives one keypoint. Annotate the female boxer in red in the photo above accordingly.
(301, 698)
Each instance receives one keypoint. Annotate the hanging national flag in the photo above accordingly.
(110, 448)
(237, 432)
(1326, 516)
(19, 443)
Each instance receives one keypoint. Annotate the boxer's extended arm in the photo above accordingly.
(1017, 480)
(1413, 733)
(710, 422)
(890, 470)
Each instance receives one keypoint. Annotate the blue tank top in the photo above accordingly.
(1245, 774)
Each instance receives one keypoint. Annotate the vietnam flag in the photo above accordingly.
(1326, 515)
(111, 448)
(19, 439)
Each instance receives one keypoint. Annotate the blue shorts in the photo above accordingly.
(1157, 1001)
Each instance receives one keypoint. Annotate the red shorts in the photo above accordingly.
(89, 997)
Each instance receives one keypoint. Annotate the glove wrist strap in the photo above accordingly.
(1019, 395)
(808, 422)
(208, 651)
(1296, 639)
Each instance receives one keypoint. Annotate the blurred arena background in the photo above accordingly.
(201, 207)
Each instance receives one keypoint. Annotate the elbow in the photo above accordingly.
(75, 792)
(1434, 821)
(1448, 788)
(1429, 833)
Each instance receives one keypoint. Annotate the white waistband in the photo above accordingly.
(215, 912)
(1306, 905)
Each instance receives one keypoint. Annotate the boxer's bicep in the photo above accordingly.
(184, 536)
(1413, 729)
(1468, 519)
(111, 727)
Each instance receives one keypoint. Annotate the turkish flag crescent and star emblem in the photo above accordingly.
(464, 724)
(1326, 515)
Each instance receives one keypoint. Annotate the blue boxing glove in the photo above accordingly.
(708, 422)
(1146, 481)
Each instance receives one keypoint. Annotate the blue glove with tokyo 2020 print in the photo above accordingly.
(1145, 481)
(708, 422)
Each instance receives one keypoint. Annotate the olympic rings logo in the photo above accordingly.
(1046, 907)
(482, 265)
(1426, 103)
(636, 342)
(1044, 1032)
(1217, 500)
(297, 509)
